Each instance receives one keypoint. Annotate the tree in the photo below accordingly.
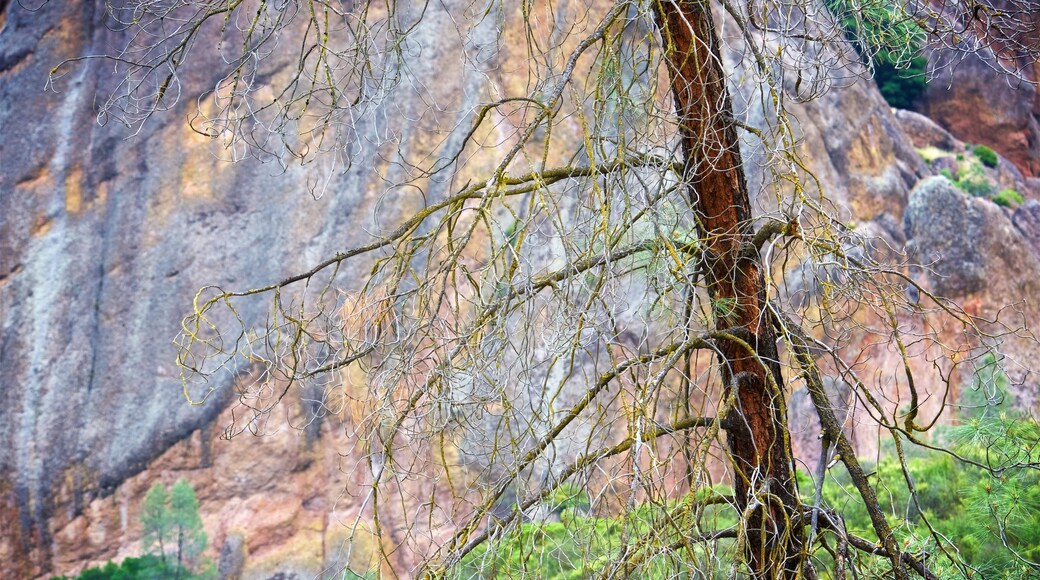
(748, 358)
(155, 519)
(171, 520)
(586, 292)
(186, 524)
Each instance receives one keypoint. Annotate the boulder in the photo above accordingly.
(968, 245)
(232, 557)
(924, 132)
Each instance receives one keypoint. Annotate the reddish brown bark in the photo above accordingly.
(756, 433)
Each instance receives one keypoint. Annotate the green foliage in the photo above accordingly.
(1008, 198)
(146, 567)
(155, 520)
(974, 184)
(186, 524)
(987, 156)
(891, 41)
(975, 507)
(548, 550)
(724, 308)
(901, 86)
(171, 524)
(570, 497)
(972, 179)
(581, 546)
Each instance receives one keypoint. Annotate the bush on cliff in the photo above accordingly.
(891, 44)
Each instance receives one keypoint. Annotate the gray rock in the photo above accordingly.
(1027, 219)
(949, 163)
(104, 240)
(1032, 187)
(967, 244)
(924, 132)
(232, 557)
(956, 263)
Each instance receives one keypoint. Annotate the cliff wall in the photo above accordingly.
(105, 236)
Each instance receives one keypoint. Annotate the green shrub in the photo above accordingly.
(581, 546)
(948, 175)
(975, 185)
(973, 181)
(1008, 198)
(987, 156)
(891, 41)
(570, 497)
(901, 86)
(147, 567)
(975, 509)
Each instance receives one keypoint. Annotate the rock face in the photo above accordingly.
(104, 240)
(985, 107)
(849, 139)
(991, 97)
(924, 132)
(971, 243)
(986, 259)
(944, 152)
(1027, 220)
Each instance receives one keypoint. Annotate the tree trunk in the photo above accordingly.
(180, 549)
(756, 431)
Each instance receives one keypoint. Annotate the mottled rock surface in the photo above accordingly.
(104, 239)
(981, 256)
(1027, 219)
(969, 243)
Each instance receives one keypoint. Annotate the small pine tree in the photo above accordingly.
(186, 524)
(155, 518)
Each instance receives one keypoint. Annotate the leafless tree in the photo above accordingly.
(586, 294)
